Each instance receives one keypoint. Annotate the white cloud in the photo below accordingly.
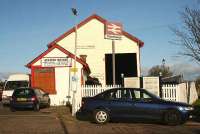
(144, 71)
(189, 71)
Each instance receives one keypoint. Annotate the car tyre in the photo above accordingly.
(172, 117)
(49, 103)
(101, 116)
(36, 107)
(12, 109)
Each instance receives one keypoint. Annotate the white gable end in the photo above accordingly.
(91, 42)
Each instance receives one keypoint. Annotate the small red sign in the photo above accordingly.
(113, 30)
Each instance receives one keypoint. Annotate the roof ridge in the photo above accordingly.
(101, 19)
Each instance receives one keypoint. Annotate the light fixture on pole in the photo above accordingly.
(122, 76)
(74, 78)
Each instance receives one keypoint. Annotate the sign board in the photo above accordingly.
(113, 30)
(74, 78)
(74, 69)
(151, 84)
(56, 62)
(133, 82)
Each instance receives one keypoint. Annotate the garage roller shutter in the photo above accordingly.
(44, 78)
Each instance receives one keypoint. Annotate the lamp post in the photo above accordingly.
(160, 84)
(74, 11)
(122, 76)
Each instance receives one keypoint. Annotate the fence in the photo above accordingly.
(169, 92)
(91, 90)
(184, 92)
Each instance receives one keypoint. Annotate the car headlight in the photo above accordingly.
(186, 108)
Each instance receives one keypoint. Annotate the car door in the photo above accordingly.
(121, 103)
(145, 105)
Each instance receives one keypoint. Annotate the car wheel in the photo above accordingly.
(49, 102)
(37, 107)
(12, 109)
(172, 117)
(101, 116)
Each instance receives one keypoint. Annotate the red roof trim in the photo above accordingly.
(62, 50)
(94, 16)
(141, 43)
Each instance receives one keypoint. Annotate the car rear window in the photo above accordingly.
(23, 92)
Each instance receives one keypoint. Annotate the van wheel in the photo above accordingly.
(101, 116)
(37, 107)
(172, 117)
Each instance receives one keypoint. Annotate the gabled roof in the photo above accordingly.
(62, 50)
(94, 16)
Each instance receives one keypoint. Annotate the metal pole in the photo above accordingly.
(160, 85)
(75, 53)
(113, 61)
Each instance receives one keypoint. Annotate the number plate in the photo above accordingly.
(21, 99)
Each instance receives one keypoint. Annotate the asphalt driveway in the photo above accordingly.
(30, 122)
(58, 120)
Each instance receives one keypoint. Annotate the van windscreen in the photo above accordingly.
(11, 85)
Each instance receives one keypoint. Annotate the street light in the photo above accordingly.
(160, 84)
(75, 13)
(122, 76)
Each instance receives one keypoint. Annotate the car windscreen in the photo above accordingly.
(23, 93)
(11, 85)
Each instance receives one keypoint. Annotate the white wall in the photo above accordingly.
(152, 84)
(149, 83)
(63, 79)
(133, 82)
(184, 92)
(92, 35)
(62, 86)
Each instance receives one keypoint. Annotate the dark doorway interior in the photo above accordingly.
(126, 63)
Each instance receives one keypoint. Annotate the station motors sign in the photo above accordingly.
(56, 62)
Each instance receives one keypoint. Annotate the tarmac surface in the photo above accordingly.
(58, 120)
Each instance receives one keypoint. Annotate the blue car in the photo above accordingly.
(131, 103)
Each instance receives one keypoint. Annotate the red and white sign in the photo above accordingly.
(113, 30)
(56, 62)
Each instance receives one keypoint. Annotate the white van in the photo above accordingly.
(14, 81)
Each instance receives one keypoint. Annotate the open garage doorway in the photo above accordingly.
(126, 63)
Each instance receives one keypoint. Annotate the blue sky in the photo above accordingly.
(27, 26)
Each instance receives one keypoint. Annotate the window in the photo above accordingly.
(41, 91)
(23, 92)
(109, 95)
(123, 94)
(37, 92)
(11, 85)
(140, 95)
(116, 94)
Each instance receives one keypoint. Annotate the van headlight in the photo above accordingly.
(4, 96)
(186, 108)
